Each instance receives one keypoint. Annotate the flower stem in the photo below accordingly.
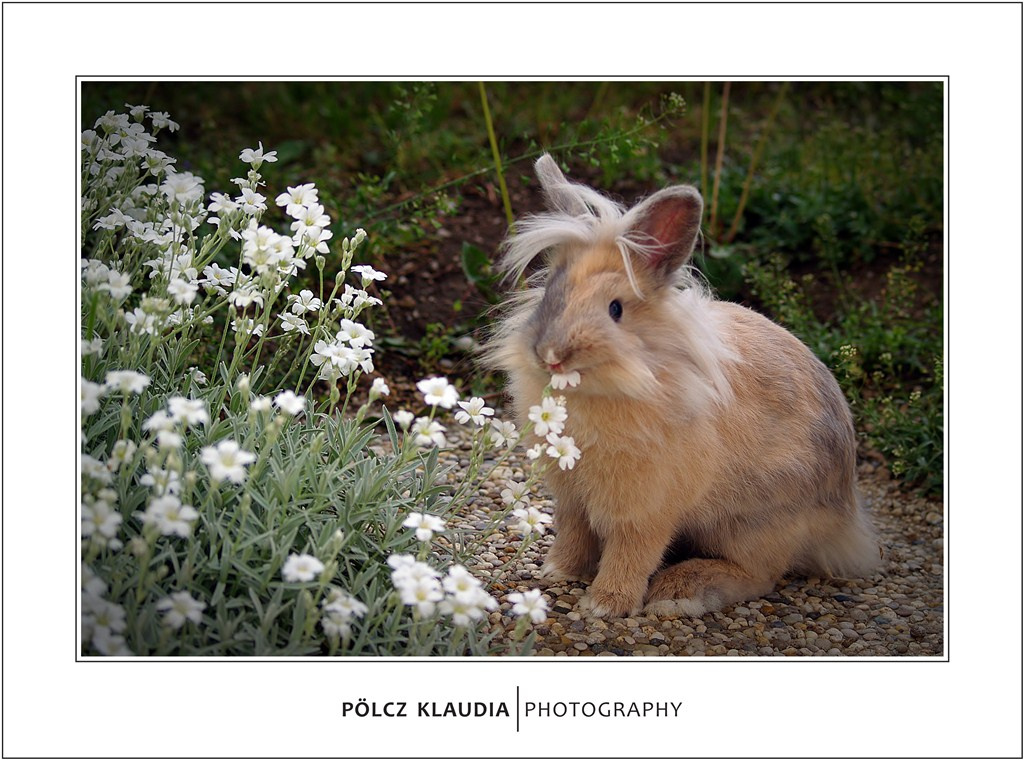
(506, 201)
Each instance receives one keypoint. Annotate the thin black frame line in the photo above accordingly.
(945, 658)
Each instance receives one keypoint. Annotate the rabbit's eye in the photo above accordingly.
(615, 310)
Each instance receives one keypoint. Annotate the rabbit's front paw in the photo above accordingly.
(552, 572)
(604, 604)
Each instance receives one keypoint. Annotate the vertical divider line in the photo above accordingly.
(517, 708)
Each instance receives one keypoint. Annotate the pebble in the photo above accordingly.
(896, 613)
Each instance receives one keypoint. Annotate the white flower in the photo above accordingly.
(264, 249)
(407, 569)
(459, 581)
(95, 469)
(299, 568)
(256, 156)
(159, 420)
(92, 584)
(118, 285)
(92, 347)
(438, 391)
(503, 433)
(335, 624)
(401, 563)
(179, 607)
(161, 119)
(344, 604)
(313, 240)
(218, 279)
(121, 454)
(126, 381)
(140, 321)
(111, 221)
(99, 614)
(529, 603)
(419, 591)
(109, 644)
(288, 402)
(136, 112)
(251, 202)
(221, 203)
(516, 495)
(428, 432)
(426, 525)
(535, 451)
(355, 334)
(379, 388)
(291, 322)
(182, 187)
(198, 376)
(100, 517)
(298, 198)
(338, 358)
(467, 607)
(309, 217)
(181, 291)
(226, 461)
(156, 162)
(246, 325)
(260, 404)
(161, 481)
(474, 410)
(356, 299)
(363, 357)
(94, 272)
(170, 516)
(403, 418)
(531, 520)
(368, 274)
(564, 450)
(549, 417)
(188, 411)
(169, 439)
(566, 379)
(304, 301)
(90, 395)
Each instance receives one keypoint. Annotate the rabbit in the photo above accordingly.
(701, 423)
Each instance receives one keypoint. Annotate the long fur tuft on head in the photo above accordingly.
(579, 218)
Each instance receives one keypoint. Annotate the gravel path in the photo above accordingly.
(898, 612)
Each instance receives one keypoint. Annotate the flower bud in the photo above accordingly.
(335, 542)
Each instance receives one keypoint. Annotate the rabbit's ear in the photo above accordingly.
(666, 225)
(561, 195)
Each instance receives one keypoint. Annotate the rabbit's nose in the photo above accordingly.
(551, 359)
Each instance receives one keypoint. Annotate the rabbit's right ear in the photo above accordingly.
(561, 195)
(667, 225)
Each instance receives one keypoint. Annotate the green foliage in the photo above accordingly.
(437, 344)
(847, 172)
(222, 512)
(479, 271)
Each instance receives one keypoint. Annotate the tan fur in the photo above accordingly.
(696, 418)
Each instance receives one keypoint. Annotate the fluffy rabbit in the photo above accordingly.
(703, 426)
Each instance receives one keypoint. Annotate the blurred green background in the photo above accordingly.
(824, 205)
